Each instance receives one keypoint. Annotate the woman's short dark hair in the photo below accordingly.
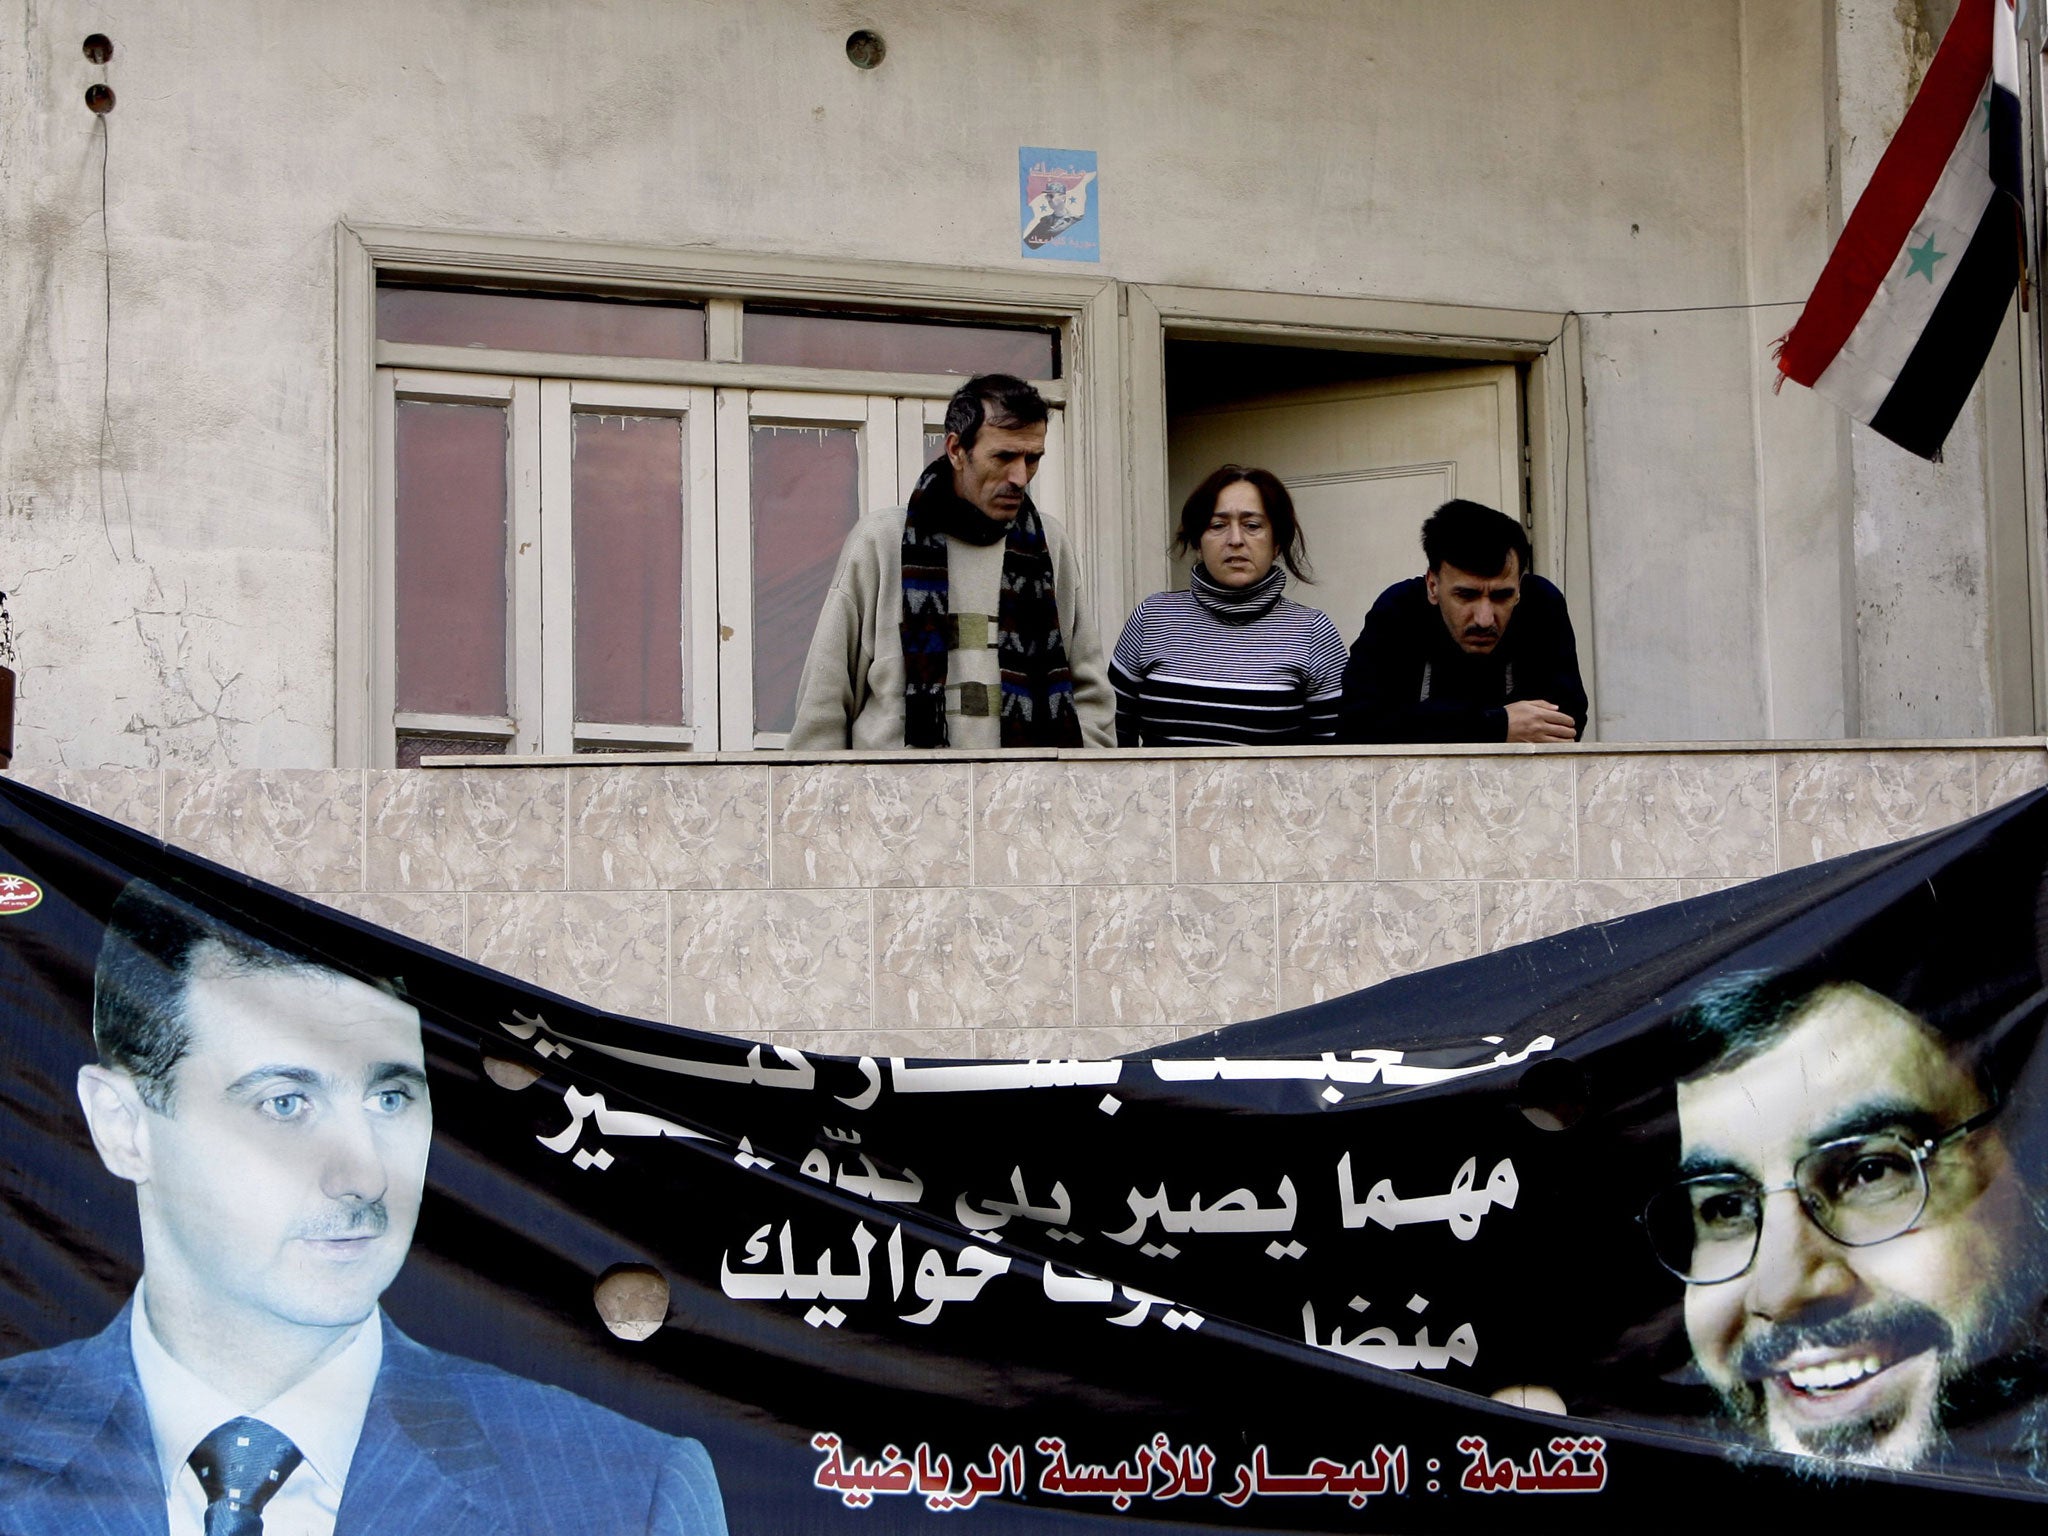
(1287, 536)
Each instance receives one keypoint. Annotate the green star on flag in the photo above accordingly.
(1922, 259)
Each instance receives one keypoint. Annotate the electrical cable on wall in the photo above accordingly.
(99, 100)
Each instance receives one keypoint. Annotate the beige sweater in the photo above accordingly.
(851, 693)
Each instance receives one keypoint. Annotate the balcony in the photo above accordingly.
(1036, 904)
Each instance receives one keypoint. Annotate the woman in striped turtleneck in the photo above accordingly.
(1230, 661)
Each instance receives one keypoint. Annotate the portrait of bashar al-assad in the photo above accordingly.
(1862, 1257)
(272, 1114)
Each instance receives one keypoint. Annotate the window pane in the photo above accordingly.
(533, 322)
(450, 548)
(806, 500)
(896, 346)
(412, 748)
(626, 499)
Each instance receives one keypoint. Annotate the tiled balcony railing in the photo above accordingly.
(1033, 905)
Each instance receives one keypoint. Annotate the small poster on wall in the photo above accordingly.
(1060, 204)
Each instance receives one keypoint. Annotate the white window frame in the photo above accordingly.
(1082, 306)
(872, 418)
(540, 648)
(521, 729)
(561, 401)
(911, 427)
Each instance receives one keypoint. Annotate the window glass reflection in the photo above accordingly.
(451, 484)
(883, 345)
(626, 501)
(534, 322)
(806, 499)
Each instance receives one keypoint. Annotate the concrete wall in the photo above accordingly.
(1921, 533)
(1031, 906)
(167, 532)
(1802, 522)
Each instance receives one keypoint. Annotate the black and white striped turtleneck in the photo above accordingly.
(1227, 666)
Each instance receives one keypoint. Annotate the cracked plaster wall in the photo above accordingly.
(170, 559)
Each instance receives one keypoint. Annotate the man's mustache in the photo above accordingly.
(361, 1218)
(1896, 1330)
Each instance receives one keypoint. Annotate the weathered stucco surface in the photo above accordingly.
(167, 534)
(1920, 529)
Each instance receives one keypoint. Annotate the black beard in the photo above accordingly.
(1896, 1330)
(1991, 1402)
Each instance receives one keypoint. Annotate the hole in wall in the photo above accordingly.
(865, 49)
(507, 1073)
(632, 1299)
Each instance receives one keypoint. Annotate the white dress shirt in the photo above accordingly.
(322, 1416)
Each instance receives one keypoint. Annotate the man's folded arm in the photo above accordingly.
(1559, 680)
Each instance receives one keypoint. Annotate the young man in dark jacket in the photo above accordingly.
(1477, 649)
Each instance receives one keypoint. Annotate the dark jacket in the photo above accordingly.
(1408, 680)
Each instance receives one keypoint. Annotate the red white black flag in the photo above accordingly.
(1898, 327)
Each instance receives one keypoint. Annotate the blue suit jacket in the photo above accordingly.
(449, 1447)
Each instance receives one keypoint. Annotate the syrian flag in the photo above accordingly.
(1898, 327)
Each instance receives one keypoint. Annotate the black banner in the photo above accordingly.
(1736, 1200)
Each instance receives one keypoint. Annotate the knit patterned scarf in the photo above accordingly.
(1038, 688)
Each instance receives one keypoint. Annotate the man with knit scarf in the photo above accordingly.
(958, 621)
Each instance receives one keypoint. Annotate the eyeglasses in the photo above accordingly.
(1860, 1190)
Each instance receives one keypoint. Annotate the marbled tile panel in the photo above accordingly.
(496, 829)
(301, 828)
(1282, 818)
(1174, 959)
(1077, 823)
(1831, 803)
(1451, 818)
(1516, 911)
(1691, 814)
(605, 948)
(979, 958)
(435, 917)
(871, 824)
(1340, 938)
(2004, 775)
(132, 796)
(753, 963)
(681, 827)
